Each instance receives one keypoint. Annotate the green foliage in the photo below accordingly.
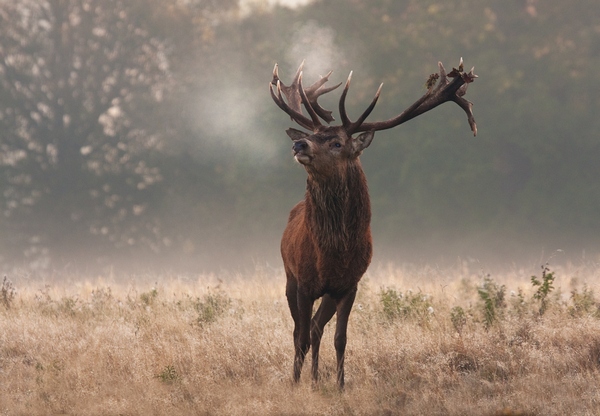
(544, 288)
(492, 297)
(584, 303)
(68, 306)
(148, 298)
(102, 298)
(458, 318)
(518, 303)
(211, 307)
(168, 375)
(7, 293)
(396, 305)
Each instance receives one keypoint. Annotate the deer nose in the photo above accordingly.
(299, 146)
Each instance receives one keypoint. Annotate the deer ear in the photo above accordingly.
(296, 134)
(362, 141)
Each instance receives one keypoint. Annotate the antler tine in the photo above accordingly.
(342, 106)
(467, 106)
(275, 74)
(315, 91)
(370, 108)
(350, 126)
(295, 115)
(299, 72)
(320, 82)
(309, 108)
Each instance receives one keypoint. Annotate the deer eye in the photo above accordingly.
(338, 145)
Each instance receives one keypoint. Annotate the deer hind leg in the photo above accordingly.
(301, 309)
(322, 316)
(344, 306)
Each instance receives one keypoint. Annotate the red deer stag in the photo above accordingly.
(327, 246)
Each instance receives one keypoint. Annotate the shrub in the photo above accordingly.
(518, 303)
(68, 306)
(544, 288)
(169, 375)
(148, 298)
(458, 318)
(102, 298)
(7, 293)
(410, 305)
(211, 307)
(492, 297)
(584, 303)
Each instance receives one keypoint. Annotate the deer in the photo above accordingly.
(327, 244)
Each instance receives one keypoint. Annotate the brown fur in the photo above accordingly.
(327, 246)
(327, 243)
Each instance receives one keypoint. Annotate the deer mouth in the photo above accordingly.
(302, 158)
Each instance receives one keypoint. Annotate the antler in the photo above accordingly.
(294, 94)
(297, 96)
(445, 90)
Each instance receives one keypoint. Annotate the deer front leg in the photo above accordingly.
(344, 306)
(302, 332)
(322, 316)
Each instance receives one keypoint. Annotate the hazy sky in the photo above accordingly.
(290, 3)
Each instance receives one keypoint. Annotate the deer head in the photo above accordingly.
(328, 146)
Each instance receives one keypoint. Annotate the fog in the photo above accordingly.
(142, 137)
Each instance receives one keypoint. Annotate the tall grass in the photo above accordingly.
(421, 341)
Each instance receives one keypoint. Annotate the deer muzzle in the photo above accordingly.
(302, 152)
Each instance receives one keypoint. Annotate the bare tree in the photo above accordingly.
(80, 83)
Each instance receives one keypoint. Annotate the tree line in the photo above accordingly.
(143, 129)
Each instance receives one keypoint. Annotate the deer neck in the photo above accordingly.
(337, 208)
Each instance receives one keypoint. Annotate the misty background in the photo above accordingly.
(140, 134)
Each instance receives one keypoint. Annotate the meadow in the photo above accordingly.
(421, 341)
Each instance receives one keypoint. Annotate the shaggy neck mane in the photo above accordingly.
(338, 210)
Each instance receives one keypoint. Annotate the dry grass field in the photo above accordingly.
(421, 341)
